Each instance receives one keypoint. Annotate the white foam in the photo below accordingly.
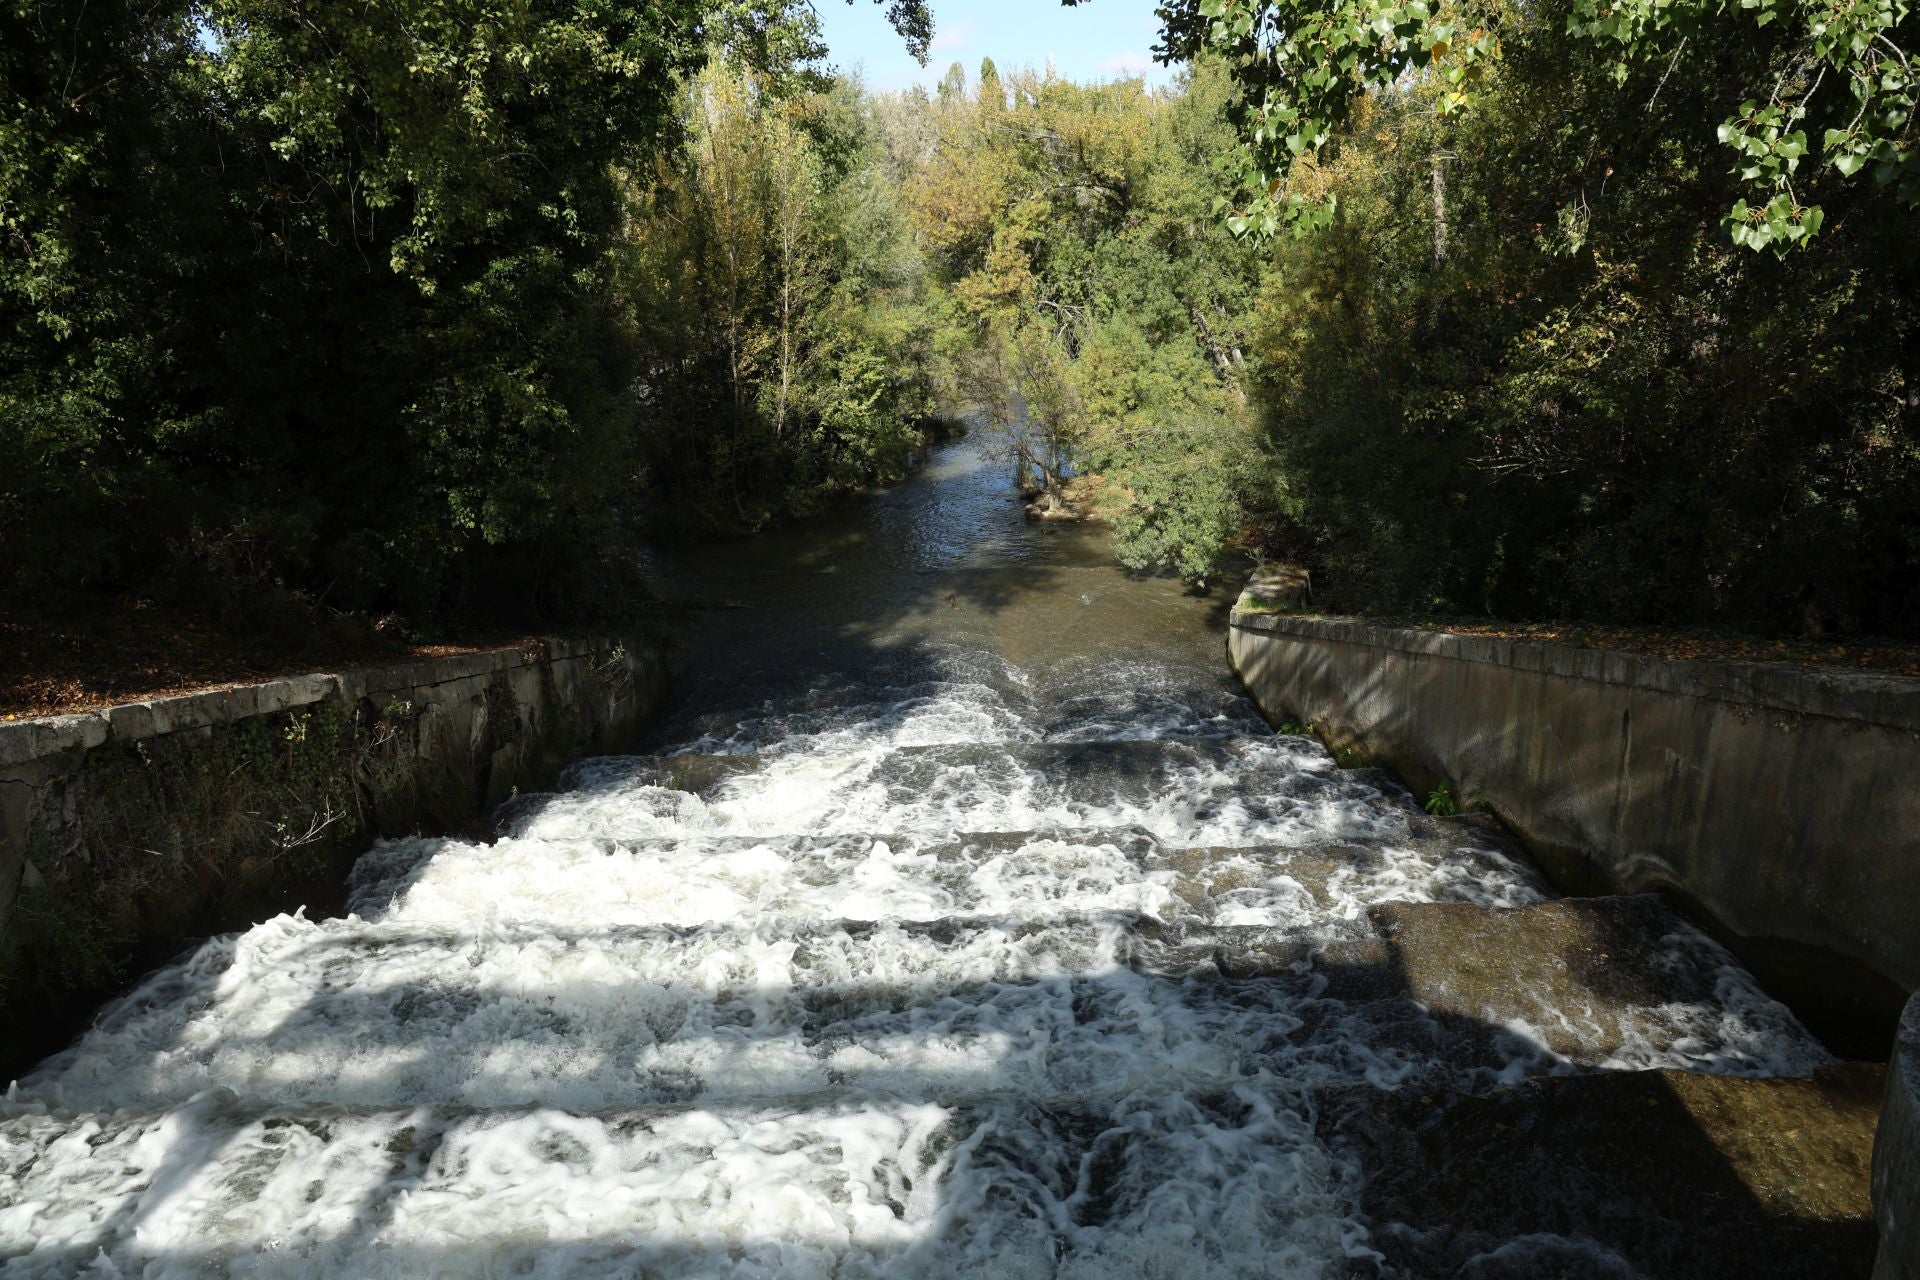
(1154, 1186)
(1271, 791)
(794, 1026)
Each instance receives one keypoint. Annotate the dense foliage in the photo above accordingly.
(323, 297)
(1839, 68)
(1092, 304)
(1522, 368)
(434, 305)
(776, 290)
(1519, 367)
(1524, 371)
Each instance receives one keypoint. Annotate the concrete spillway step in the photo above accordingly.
(971, 710)
(1653, 1174)
(926, 876)
(370, 1013)
(1125, 767)
(1202, 790)
(1615, 982)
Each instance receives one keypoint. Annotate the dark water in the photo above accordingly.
(942, 576)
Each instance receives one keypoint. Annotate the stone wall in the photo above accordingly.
(1782, 805)
(126, 832)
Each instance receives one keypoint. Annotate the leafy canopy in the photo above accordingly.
(1830, 84)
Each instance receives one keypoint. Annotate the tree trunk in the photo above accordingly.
(786, 336)
(1225, 359)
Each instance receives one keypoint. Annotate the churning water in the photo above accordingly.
(967, 922)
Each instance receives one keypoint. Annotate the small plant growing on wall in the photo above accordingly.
(1441, 802)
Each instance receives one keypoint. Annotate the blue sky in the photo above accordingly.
(1099, 40)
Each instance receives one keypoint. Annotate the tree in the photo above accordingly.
(990, 89)
(1824, 83)
(1098, 311)
(953, 85)
(324, 292)
(769, 272)
(1595, 405)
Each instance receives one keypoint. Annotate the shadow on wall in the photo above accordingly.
(1605, 786)
(221, 814)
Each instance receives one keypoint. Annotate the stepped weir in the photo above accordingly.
(962, 920)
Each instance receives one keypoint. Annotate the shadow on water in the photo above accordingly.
(1592, 1175)
(1582, 1177)
(936, 578)
(936, 584)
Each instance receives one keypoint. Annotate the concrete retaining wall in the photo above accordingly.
(1896, 1158)
(1783, 805)
(127, 831)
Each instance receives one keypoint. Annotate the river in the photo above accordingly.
(964, 920)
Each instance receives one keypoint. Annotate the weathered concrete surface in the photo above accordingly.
(1896, 1157)
(1657, 1174)
(1594, 981)
(126, 831)
(1783, 804)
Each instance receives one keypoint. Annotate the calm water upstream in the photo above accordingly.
(965, 921)
(941, 578)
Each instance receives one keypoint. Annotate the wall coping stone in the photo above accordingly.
(368, 681)
(1892, 701)
(24, 741)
